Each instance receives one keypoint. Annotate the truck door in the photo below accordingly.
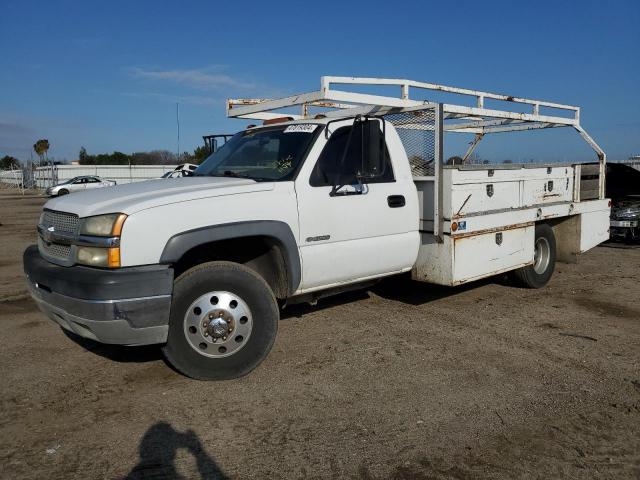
(363, 230)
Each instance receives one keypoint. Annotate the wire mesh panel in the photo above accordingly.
(417, 132)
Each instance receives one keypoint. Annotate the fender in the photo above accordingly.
(181, 243)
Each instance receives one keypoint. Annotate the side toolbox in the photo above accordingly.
(464, 258)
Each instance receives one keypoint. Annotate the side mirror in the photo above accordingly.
(373, 151)
(366, 136)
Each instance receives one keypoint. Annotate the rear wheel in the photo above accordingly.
(224, 320)
(539, 273)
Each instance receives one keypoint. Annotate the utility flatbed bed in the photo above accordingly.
(474, 220)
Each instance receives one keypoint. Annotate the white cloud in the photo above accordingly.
(203, 79)
(186, 99)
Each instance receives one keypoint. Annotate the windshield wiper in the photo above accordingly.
(231, 173)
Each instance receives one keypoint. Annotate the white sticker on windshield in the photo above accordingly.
(301, 128)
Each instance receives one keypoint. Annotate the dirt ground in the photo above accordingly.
(405, 381)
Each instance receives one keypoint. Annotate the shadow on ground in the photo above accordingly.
(403, 289)
(118, 353)
(623, 245)
(400, 288)
(158, 449)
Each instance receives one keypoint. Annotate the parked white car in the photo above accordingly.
(182, 170)
(175, 174)
(77, 184)
(187, 167)
(301, 208)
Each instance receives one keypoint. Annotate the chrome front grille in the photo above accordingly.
(61, 221)
(54, 250)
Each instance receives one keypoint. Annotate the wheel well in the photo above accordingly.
(262, 254)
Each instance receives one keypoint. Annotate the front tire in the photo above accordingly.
(539, 273)
(63, 191)
(224, 320)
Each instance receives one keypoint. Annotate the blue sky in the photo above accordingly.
(107, 75)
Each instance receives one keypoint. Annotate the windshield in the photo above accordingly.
(267, 154)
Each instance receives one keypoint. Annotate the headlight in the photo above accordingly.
(94, 256)
(99, 256)
(100, 226)
(103, 225)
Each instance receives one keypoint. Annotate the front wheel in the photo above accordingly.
(224, 320)
(544, 260)
(63, 191)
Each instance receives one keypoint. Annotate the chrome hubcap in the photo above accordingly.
(541, 255)
(218, 328)
(218, 324)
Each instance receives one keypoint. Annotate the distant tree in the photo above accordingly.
(8, 163)
(199, 154)
(141, 158)
(186, 157)
(83, 156)
(119, 158)
(41, 147)
(165, 157)
(154, 157)
(115, 158)
(508, 161)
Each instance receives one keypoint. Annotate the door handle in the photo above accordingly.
(396, 201)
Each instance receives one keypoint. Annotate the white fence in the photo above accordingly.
(120, 173)
(46, 176)
(11, 177)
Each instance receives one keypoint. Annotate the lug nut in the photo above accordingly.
(211, 315)
(221, 314)
(206, 334)
(224, 338)
(205, 324)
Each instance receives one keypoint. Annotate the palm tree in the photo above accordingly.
(41, 147)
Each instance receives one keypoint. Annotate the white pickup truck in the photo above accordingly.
(304, 206)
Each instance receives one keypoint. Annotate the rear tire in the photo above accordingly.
(223, 322)
(538, 274)
(63, 191)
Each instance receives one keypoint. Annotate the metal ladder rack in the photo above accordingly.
(478, 120)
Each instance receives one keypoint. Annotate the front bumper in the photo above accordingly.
(127, 306)
(627, 229)
(624, 223)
